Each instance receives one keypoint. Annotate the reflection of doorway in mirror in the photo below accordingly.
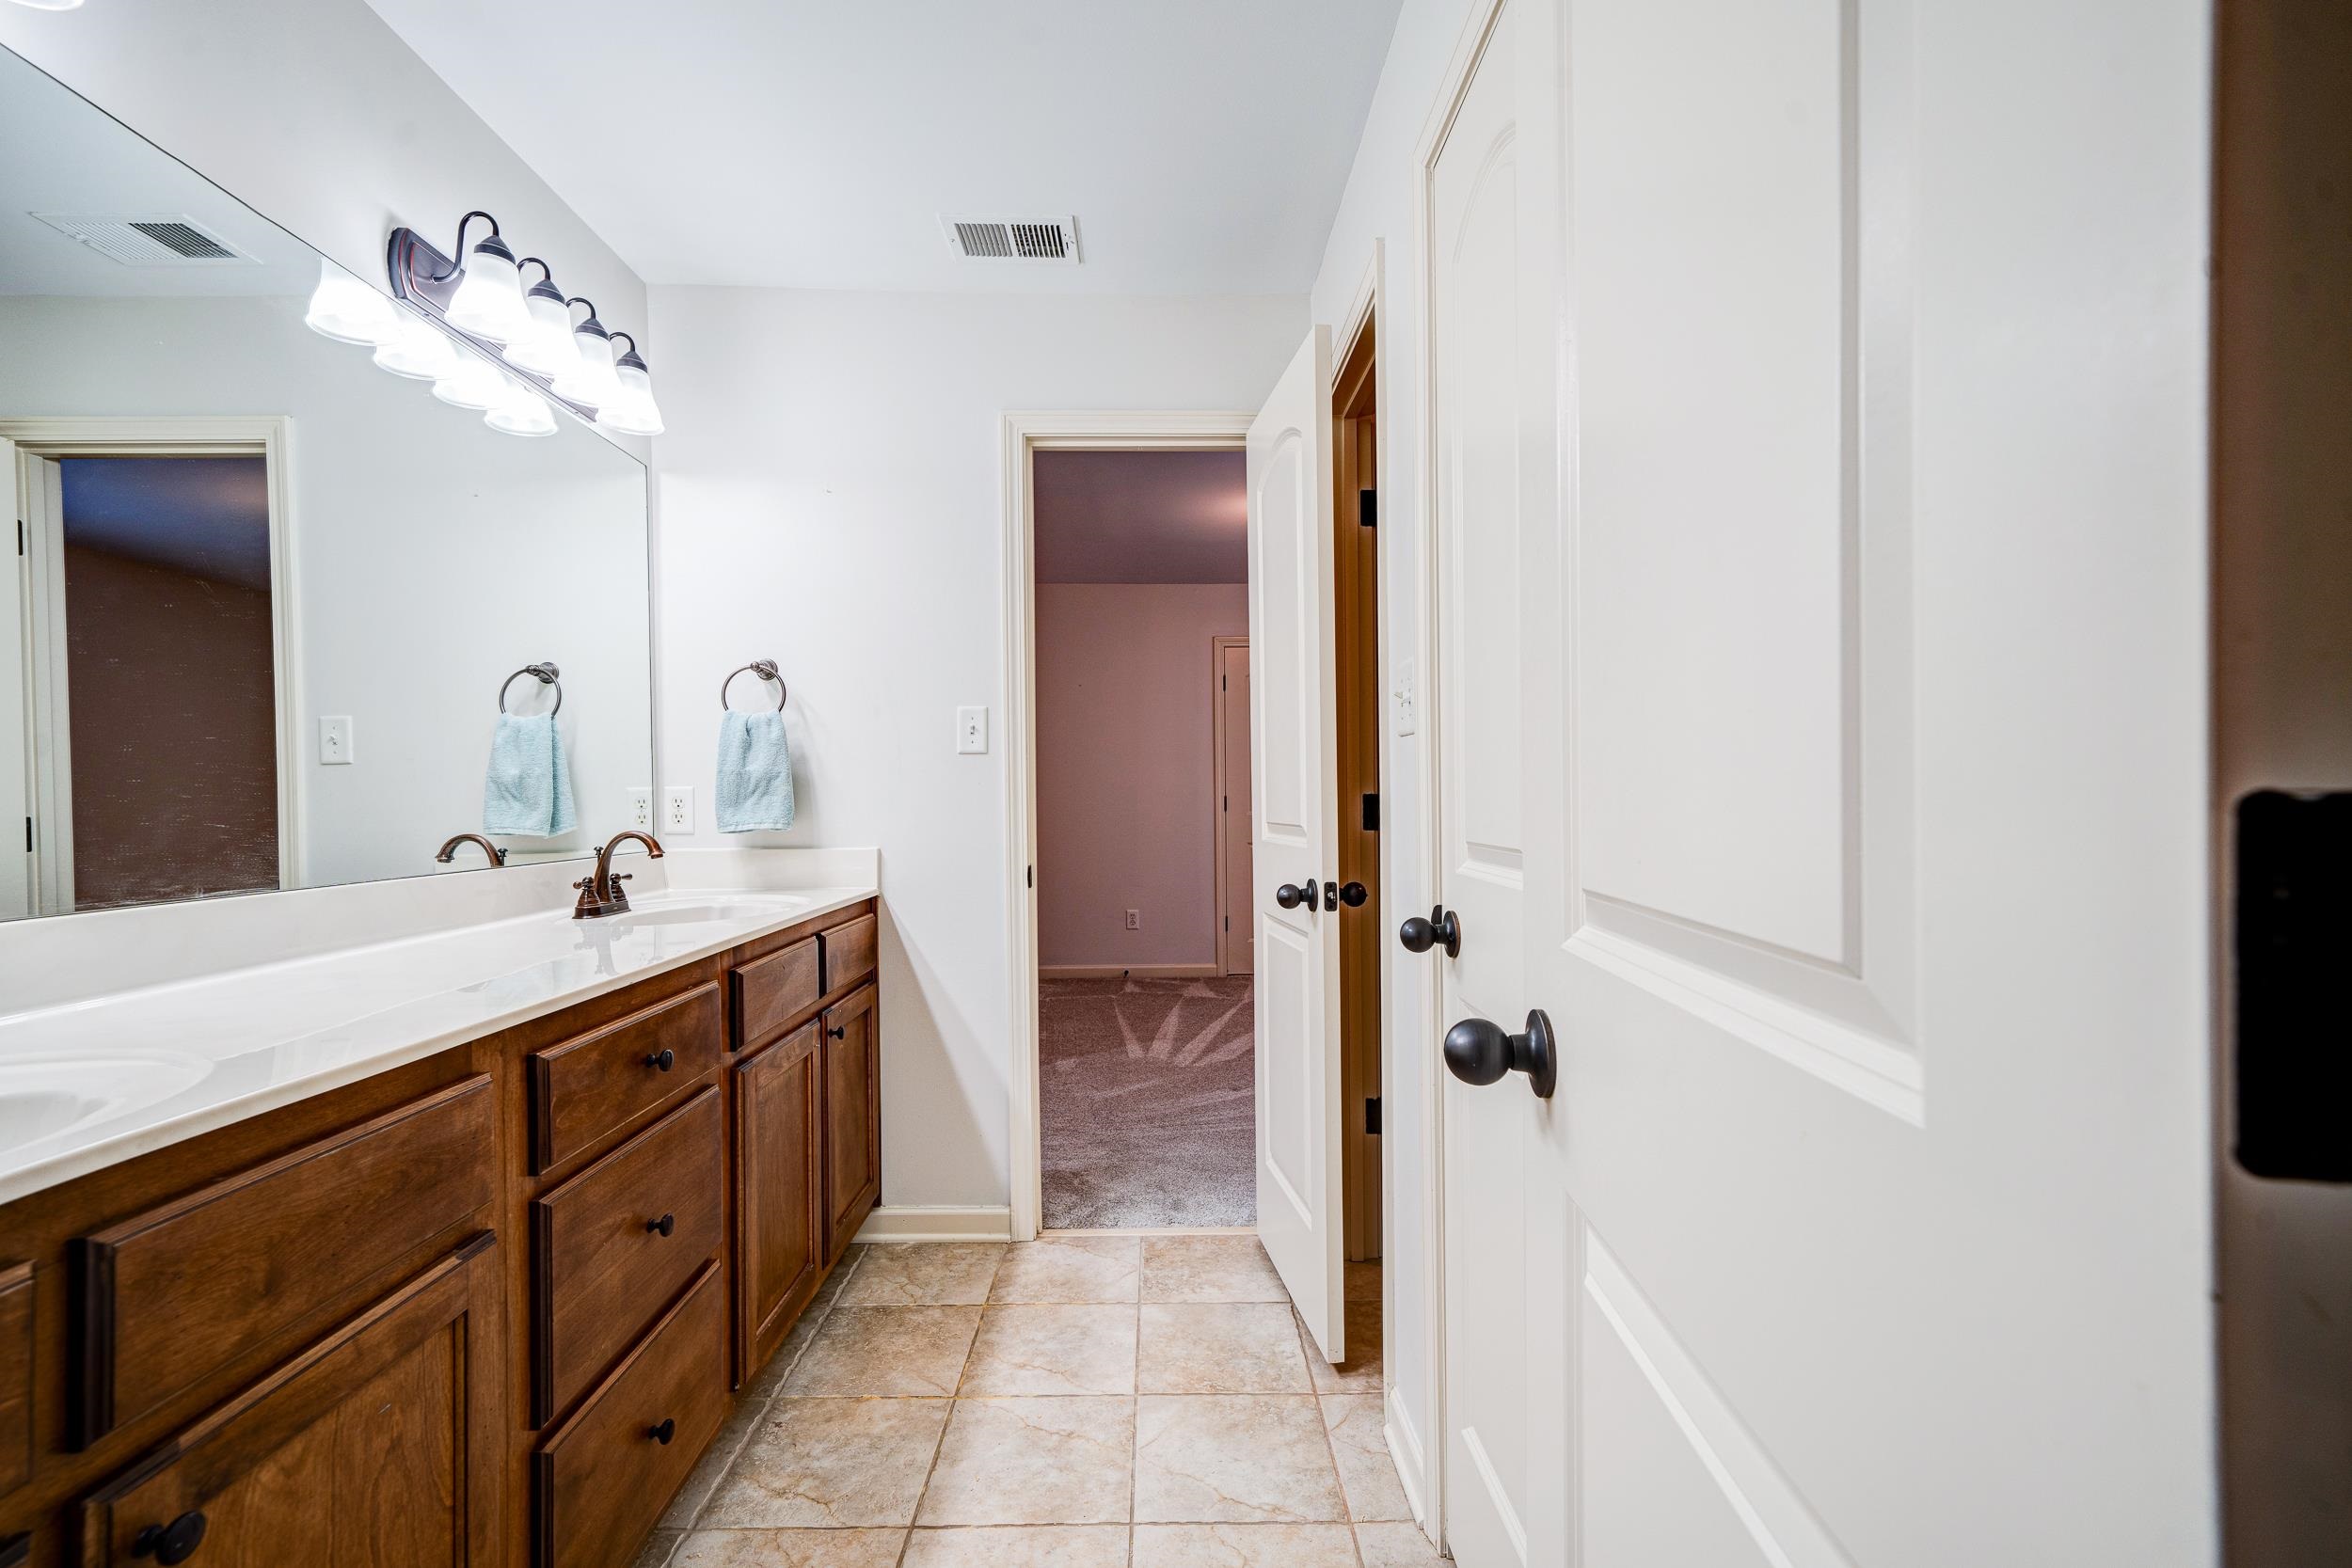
(144, 727)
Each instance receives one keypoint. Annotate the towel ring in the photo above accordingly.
(766, 670)
(547, 674)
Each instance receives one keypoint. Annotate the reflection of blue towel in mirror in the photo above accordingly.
(527, 790)
(754, 774)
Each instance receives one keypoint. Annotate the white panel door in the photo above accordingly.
(16, 758)
(1295, 725)
(1843, 805)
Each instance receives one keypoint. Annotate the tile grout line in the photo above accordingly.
(1307, 1351)
(906, 1542)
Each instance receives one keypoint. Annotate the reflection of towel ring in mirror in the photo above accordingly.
(547, 674)
(766, 670)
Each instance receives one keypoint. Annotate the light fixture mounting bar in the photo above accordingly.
(425, 278)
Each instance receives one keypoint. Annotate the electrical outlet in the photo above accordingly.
(1135, 920)
(335, 740)
(677, 809)
(971, 730)
(641, 808)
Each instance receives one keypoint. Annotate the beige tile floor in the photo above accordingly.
(1079, 1401)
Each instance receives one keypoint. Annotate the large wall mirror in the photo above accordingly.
(270, 595)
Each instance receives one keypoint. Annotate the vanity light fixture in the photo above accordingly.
(633, 412)
(545, 345)
(419, 353)
(349, 311)
(489, 298)
(591, 381)
(52, 4)
(471, 383)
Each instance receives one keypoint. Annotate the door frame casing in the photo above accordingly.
(1221, 832)
(270, 437)
(1024, 435)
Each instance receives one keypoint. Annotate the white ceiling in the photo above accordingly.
(1202, 144)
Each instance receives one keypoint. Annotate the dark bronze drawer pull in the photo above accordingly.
(666, 1224)
(662, 1431)
(174, 1543)
(664, 1059)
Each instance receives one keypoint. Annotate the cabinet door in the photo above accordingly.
(376, 1447)
(853, 1116)
(779, 1192)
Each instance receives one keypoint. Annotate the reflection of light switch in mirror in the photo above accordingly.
(334, 741)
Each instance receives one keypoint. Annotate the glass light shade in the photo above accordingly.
(545, 344)
(419, 353)
(634, 412)
(473, 384)
(591, 381)
(349, 311)
(521, 412)
(489, 298)
(52, 4)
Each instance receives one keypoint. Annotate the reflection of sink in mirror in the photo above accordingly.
(45, 1095)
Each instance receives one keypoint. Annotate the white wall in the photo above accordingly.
(433, 554)
(1126, 791)
(831, 497)
(315, 114)
(1377, 208)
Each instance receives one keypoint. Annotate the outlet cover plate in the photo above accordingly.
(677, 809)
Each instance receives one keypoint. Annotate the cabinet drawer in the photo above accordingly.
(614, 1243)
(848, 952)
(597, 1081)
(380, 1443)
(771, 992)
(166, 1297)
(607, 1474)
(16, 1378)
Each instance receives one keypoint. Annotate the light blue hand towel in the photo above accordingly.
(754, 774)
(527, 790)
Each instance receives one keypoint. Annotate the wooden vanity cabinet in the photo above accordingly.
(435, 1319)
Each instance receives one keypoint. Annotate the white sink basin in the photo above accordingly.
(44, 1096)
(667, 913)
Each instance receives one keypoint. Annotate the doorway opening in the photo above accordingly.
(1145, 998)
(1356, 665)
(141, 774)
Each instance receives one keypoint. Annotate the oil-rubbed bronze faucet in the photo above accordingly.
(449, 852)
(601, 895)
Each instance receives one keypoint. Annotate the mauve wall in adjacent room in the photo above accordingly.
(1125, 769)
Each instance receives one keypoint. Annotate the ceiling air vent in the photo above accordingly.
(164, 241)
(1013, 239)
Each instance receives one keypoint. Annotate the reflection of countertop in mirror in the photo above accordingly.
(91, 1081)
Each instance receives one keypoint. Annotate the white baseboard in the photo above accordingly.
(909, 1224)
(1412, 1468)
(1112, 971)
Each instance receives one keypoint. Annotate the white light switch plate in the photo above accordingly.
(1402, 698)
(641, 808)
(677, 809)
(971, 730)
(335, 740)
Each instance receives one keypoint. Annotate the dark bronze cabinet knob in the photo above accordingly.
(1289, 897)
(1479, 1052)
(173, 1543)
(662, 1060)
(838, 1032)
(1441, 929)
(662, 1431)
(666, 1224)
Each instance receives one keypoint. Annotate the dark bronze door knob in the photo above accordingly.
(1291, 895)
(1351, 893)
(173, 1543)
(1479, 1052)
(1441, 929)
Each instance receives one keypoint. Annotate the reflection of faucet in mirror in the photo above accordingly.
(601, 895)
(447, 853)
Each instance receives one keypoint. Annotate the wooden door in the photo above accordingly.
(779, 1192)
(1239, 936)
(1825, 759)
(1293, 716)
(377, 1448)
(852, 1080)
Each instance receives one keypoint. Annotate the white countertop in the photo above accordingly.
(92, 1081)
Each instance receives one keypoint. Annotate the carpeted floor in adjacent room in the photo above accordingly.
(1148, 1103)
